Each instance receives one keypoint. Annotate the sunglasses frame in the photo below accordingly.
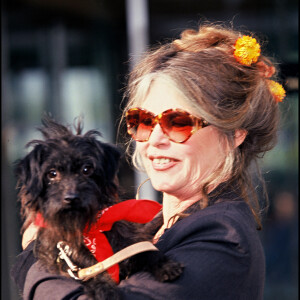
(198, 123)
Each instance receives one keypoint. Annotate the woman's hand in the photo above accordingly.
(29, 235)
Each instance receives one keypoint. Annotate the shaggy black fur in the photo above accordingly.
(69, 178)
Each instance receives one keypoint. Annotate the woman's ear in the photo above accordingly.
(239, 137)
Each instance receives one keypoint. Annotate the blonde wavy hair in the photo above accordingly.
(214, 86)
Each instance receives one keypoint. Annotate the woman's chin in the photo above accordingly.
(162, 185)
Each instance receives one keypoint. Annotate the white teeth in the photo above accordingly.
(161, 160)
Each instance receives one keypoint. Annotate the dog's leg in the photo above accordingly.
(156, 263)
(102, 287)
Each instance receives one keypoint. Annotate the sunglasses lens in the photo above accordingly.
(177, 125)
(139, 124)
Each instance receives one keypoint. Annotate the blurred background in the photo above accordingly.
(70, 58)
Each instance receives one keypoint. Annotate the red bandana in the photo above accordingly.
(137, 211)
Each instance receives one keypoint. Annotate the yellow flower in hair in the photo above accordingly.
(277, 90)
(247, 50)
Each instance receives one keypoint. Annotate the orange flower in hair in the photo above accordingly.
(247, 50)
(277, 90)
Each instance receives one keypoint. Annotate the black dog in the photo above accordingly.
(68, 178)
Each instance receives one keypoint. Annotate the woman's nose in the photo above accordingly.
(158, 137)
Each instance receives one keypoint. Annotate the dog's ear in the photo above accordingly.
(112, 155)
(108, 155)
(29, 176)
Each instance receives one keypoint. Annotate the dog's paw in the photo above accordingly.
(168, 271)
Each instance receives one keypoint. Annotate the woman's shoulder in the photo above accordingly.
(230, 215)
(225, 205)
(224, 210)
(228, 223)
(232, 218)
(227, 209)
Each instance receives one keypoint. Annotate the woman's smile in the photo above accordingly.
(163, 163)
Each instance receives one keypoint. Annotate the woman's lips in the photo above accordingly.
(163, 163)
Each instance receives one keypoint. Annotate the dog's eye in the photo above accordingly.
(52, 174)
(87, 170)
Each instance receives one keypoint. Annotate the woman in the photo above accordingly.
(202, 109)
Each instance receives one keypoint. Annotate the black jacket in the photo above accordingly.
(219, 247)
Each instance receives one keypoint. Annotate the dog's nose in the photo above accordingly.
(71, 197)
